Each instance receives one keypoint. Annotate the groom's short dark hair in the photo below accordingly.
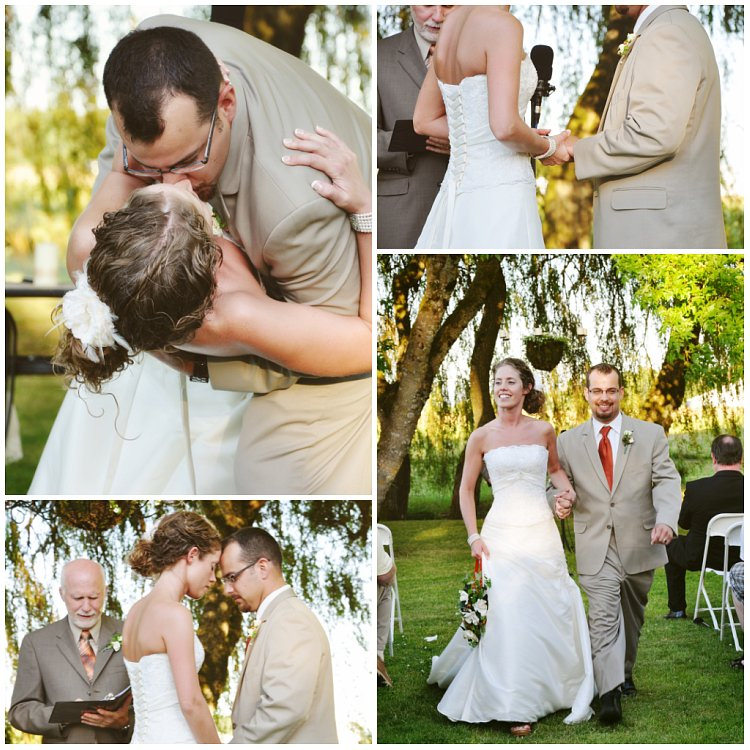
(255, 543)
(148, 66)
(604, 369)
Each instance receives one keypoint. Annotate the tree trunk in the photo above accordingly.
(283, 26)
(397, 498)
(568, 209)
(429, 342)
(479, 374)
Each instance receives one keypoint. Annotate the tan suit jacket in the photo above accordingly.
(407, 183)
(50, 670)
(285, 693)
(655, 160)
(645, 491)
(292, 235)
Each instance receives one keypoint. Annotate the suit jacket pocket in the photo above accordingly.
(393, 187)
(627, 199)
(579, 526)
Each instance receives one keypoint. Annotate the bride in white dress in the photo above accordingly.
(535, 656)
(161, 652)
(475, 93)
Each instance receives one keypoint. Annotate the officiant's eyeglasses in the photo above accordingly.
(232, 577)
(612, 392)
(193, 166)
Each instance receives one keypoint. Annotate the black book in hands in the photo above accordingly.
(404, 138)
(69, 712)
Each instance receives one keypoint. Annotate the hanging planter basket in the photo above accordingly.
(545, 352)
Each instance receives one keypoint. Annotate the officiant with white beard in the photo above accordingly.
(73, 659)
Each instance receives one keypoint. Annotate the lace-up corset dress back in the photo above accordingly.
(158, 716)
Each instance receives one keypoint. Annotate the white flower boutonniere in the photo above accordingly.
(253, 633)
(627, 437)
(114, 643)
(624, 49)
(218, 225)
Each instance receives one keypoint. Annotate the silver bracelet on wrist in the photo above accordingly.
(473, 538)
(551, 150)
(361, 222)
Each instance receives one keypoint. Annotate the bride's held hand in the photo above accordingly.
(326, 152)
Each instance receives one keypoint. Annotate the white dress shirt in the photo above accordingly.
(94, 630)
(613, 436)
(424, 46)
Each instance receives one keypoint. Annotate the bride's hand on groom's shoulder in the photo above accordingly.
(326, 152)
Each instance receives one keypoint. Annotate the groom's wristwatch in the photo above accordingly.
(200, 369)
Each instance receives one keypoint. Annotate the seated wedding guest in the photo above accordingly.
(737, 584)
(72, 659)
(386, 576)
(704, 499)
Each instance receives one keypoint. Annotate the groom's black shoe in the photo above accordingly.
(628, 688)
(679, 615)
(610, 711)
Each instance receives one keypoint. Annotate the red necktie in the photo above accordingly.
(88, 657)
(605, 454)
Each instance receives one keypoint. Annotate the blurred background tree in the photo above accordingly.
(672, 323)
(585, 39)
(326, 560)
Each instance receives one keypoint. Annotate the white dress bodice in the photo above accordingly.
(477, 158)
(158, 716)
(518, 476)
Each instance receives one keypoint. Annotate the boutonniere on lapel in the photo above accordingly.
(627, 438)
(624, 49)
(114, 643)
(218, 225)
(253, 634)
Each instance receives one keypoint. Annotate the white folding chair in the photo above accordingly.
(718, 526)
(385, 538)
(733, 538)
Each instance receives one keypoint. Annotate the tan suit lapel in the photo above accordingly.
(589, 443)
(69, 649)
(623, 452)
(618, 71)
(103, 654)
(410, 59)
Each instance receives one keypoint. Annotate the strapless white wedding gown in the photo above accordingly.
(158, 716)
(487, 200)
(133, 439)
(535, 656)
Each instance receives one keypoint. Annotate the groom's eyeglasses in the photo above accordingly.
(192, 166)
(611, 392)
(232, 577)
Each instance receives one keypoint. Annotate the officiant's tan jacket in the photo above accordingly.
(655, 160)
(645, 491)
(292, 235)
(50, 670)
(285, 693)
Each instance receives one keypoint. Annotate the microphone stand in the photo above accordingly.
(543, 90)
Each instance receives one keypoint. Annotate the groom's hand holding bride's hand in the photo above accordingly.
(564, 503)
(564, 153)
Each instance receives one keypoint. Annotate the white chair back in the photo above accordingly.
(721, 523)
(733, 536)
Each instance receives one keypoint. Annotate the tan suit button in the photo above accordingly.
(609, 525)
(611, 505)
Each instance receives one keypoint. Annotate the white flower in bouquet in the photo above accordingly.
(463, 596)
(481, 607)
(471, 637)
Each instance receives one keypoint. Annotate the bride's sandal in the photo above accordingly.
(520, 730)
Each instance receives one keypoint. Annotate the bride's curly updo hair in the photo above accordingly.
(154, 265)
(534, 399)
(174, 537)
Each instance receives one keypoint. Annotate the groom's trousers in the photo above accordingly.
(617, 604)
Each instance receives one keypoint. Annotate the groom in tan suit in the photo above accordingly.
(70, 660)
(176, 85)
(655, 160)
(285, 692)
(627, 504)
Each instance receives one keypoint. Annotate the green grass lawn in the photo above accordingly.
(38, 397)
(687, 692)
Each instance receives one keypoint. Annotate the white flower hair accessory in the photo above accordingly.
(90, 319)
